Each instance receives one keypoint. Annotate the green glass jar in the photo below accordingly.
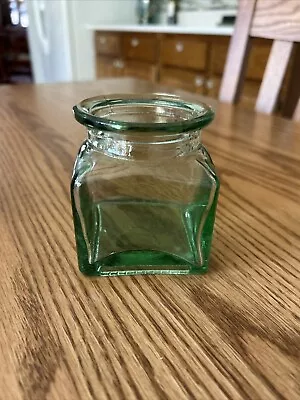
(144, 189)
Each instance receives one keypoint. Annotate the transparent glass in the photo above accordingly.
(144, 189)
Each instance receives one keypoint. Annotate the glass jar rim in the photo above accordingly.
(200, 114)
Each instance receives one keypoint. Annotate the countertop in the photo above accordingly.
(233, 333)
(204, 30)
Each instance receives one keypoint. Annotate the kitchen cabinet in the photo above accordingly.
(184, 51)
(183, 79)
(140, 47)
(110, 67)
(108, 44)
(141, 70)
(187, 61)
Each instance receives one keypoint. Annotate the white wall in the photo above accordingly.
(85, 12)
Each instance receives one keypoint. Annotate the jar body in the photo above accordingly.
(143, 211)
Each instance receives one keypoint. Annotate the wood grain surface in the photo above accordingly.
(277, 19)
(231, 334)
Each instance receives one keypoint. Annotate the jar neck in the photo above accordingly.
(144, 146)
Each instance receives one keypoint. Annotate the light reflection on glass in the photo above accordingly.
(18, 13)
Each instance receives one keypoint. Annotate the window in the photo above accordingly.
(18, 13)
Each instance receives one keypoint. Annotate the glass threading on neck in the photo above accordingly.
(130, 125)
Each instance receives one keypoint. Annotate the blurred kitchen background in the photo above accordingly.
(181, 43)
(60, 32)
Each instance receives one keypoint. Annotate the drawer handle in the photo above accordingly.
(102, 40)
(179, 47)
(210, 84)
(135, 42)
(199, 81)
(118, 64)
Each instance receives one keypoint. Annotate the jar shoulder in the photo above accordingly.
(194, 166)
(83, 164)
(205, 159)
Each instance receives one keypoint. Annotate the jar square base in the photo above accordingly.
(142, 262)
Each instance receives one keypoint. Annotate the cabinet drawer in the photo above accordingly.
(218, 55)
(182, 79)
(212, 86)
(109, 67)
(140, 46)
(249, 92)
(258, 57)
(184, 51)
(138, 69)
(114, 67)
(108, 43)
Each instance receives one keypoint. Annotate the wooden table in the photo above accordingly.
(231, 334)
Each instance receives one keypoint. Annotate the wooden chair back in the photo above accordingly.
(272, 19)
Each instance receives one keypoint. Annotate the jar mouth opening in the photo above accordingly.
(154, 112)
